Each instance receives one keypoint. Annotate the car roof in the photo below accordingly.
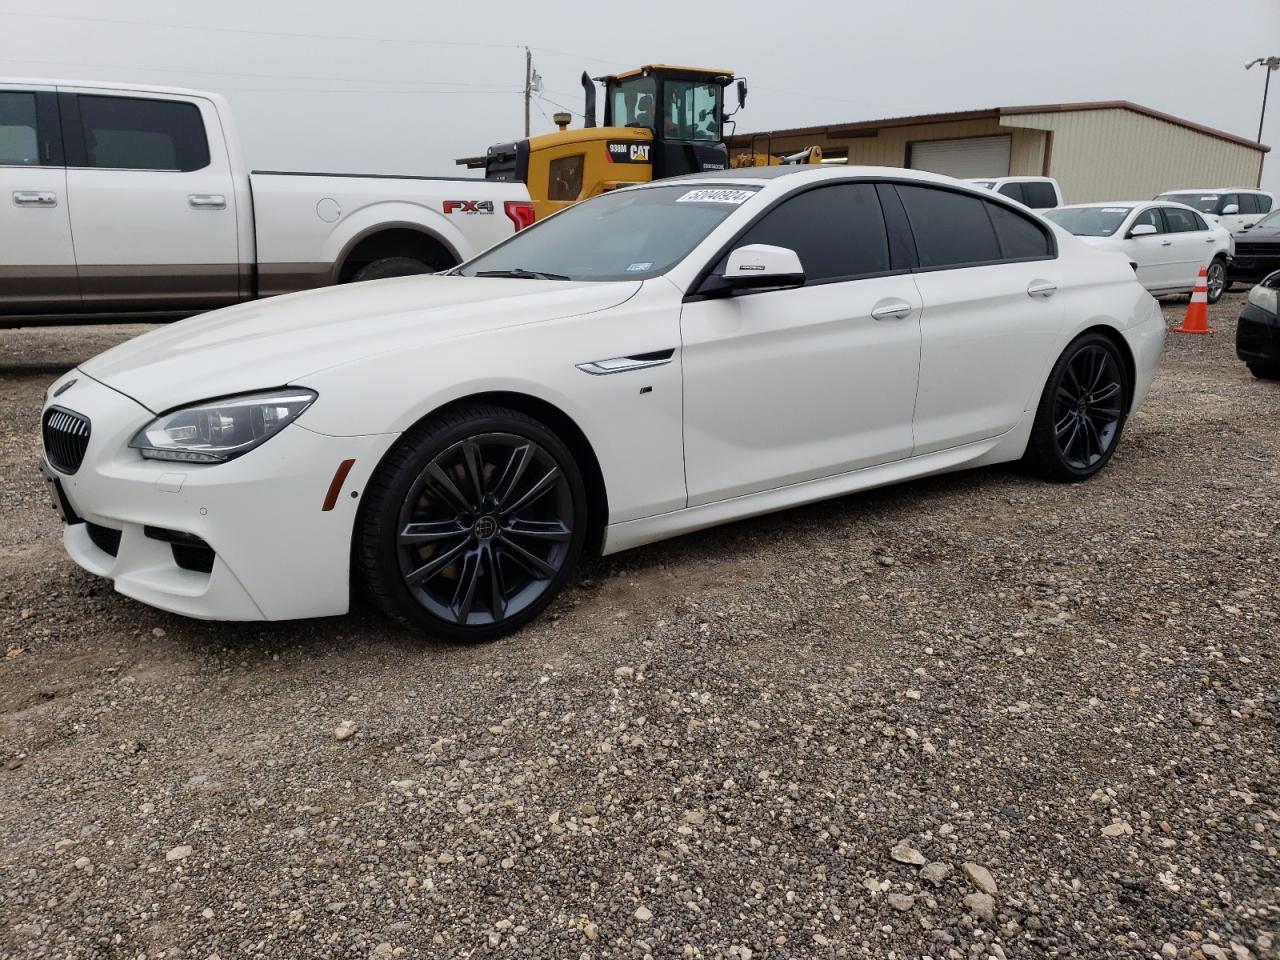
(830, 171)
(1165, 193)
(1126, 203)
(117, 85)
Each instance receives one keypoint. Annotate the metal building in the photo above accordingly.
(1104, 150)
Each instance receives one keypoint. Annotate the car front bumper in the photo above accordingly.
(1252, 266)
(1258, 337)
(276, 554)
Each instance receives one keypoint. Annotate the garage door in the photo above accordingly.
(972, 157)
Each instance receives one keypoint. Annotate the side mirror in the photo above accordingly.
(742, 93)
(1247, 226)
(760, 265)
(1230, 208)
(1142, 230)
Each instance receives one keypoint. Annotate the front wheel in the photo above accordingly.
(1264, 373)
(1216, 279)
(1082, 411)
(473, 524)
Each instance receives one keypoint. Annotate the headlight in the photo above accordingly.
(219, 430)
(1268, 298)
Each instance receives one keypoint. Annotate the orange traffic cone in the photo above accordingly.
(1197, 318)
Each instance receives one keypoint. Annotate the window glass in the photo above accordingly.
(1090, 221)
(627, 235)
(1179, 220)
(125, 133)
(1039, 195)
(1249, 203)
(19, 144)
(1227, 200)
(951, 229)
(634, 103)
(1264, 203)
(1020, 237)
(1013, 191)
(1204, 202)
(1200, 222)
(1151, 217)
(691, 110)
(837, 231)
(566, 178)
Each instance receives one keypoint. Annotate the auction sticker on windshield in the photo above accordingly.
(716, 196)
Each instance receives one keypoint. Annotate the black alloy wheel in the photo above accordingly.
(476, 527)
(1082, 411)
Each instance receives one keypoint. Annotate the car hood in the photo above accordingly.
(1265, 235)
(270, 343)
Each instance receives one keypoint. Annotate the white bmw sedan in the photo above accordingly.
(653, 361)
(1168, 243)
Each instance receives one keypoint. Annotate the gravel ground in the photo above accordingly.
(973, 716)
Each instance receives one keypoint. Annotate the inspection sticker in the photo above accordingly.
(640, 267)
(716, 196)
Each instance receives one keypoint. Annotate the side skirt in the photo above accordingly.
(635, 533)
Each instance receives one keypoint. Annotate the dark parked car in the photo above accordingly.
(1258, 332)
(1257, 250)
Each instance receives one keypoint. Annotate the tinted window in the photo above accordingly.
(1200, 222)
(1226, 201)
(838, 231)
(1150, 216)
(1013, 191)
(1264, 203)
(18, 141)
(132, 134)
(1204, 202)
(1039, 195)
(1020, 237)
(1249, 203)
(951, 229)
(1180, 221)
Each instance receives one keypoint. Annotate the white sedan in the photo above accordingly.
(1168, 243)
(650, 362)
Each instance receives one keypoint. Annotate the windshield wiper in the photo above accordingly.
(520, 273)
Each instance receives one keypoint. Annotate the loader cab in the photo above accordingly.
(682, 107)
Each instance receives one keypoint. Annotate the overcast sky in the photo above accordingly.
(405, 86)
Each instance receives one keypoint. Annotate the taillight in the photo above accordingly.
(520, 212)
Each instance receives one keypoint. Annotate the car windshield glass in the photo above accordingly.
(1204, 202)
(1271, 220)
(1089, 221)
(628, 235)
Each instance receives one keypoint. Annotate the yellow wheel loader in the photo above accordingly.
(659, 121)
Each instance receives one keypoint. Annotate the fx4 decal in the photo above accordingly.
(627, 151)
(468, 206)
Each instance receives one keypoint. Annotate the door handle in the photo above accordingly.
(892, 311)
(33, 198)
(1041, 288)
(639, 361)
(1166, 243)
(207, 201)
(1208, 239)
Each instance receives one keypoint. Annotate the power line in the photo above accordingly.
(261, 76)
(260, 33)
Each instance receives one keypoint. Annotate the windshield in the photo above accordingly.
(1271, 220)
(1204, 202)
(691, 110)
(628, 235)
(1089, 221)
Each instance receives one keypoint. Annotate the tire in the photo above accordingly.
(1264, 373)
(492, 511)
(1217, 279)
(391, 267)
(1081, 416)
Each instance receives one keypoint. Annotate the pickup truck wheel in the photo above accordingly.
(391, 267)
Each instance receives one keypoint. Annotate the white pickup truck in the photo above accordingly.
(129, 200)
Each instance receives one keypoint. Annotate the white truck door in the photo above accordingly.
(37, 260)
(153, 204)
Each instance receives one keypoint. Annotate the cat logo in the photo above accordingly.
(628, 152)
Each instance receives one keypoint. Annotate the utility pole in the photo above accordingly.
(1268, 65)
(529, 85)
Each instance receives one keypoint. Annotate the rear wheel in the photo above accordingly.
(1082, 411)
(391, 267)
(1264, 373)
(1216, 279)
(473, 524)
